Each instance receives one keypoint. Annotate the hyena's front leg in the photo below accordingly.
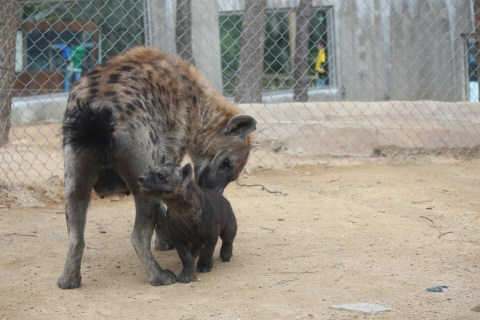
(162, 242)
(142, 235)
(188, 261)
(205, 259)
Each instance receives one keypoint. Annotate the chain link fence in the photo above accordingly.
(365, 78)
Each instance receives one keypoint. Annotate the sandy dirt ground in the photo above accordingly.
(348, 231)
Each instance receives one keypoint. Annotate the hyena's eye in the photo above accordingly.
(226, 163)
(161, 177)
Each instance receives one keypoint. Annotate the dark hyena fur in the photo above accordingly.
(196, 217)
(121, 116)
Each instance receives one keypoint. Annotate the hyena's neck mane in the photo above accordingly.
(214, 111)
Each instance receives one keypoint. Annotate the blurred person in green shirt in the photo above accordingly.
(76, 57)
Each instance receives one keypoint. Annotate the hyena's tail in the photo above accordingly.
(86, 127)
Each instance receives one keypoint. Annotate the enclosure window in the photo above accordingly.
(472, 70)
(43, 49)
(320, 26)
(279, 49)
(120, 29)
(47, 26)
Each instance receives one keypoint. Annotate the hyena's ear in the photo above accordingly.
(240, 126)
(162, 161)
(186, 174)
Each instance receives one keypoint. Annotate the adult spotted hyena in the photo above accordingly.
(120, 119)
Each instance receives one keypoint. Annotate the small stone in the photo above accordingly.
(281, 219)
(437, 289)
(361, 307)
(476, 308)
(102, 231)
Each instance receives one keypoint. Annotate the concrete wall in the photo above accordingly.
(206, 40)
(360, 128)
(160, 26)
(393, 49)
(38, 109)
(402, 49)
(329, 128)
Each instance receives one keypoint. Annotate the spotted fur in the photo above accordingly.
(121, 117)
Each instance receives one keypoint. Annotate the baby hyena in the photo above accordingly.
(195, 217)
(120, 118)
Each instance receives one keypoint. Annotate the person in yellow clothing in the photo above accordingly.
(319, 65)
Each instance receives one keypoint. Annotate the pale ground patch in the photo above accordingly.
(349, 231)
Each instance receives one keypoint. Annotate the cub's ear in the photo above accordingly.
(240, 126)
(162, 161)
(186, 174)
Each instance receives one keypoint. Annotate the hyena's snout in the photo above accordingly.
(142, 182)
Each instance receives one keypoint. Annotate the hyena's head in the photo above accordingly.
(165, 181)
(225, 154)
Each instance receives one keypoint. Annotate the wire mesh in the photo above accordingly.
(323, 78)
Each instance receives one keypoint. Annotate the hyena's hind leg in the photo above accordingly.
(79, 181)
(162, 242)
(228, 235)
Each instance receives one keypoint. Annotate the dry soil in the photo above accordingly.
(347, 232)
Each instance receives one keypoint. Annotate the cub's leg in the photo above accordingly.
(188, 261)
(205, 260)
(162, 242)
(228, 235)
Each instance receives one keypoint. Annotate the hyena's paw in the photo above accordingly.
(66, 283)
(226, 256)
(187, 276)
(164, 278)
(226, 252)
(204, 266)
